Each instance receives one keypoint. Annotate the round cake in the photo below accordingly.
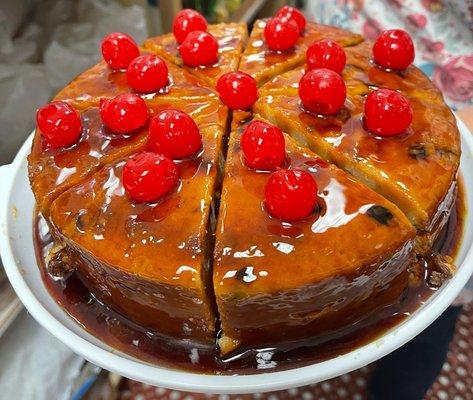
(276, 205)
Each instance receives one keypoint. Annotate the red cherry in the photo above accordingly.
(119, 49)
(281, 34)
(237, 90)
(124, 113)
(394, 49)
(322, 91)
(387, 112)
(199, 48)
(175, 134)
(326, 54)
(59, 124)
(147, 73)
(263, 146)
(290, 194)
(148, 176)
(291, 13)
(187, 21)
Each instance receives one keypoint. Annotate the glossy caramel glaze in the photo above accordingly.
(264, 64)
(52, 170)
(101, 81)
(122, 334)
(231, 40)
(414, 170)
(148, 261)
(311, 277)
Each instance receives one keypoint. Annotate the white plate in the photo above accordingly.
(16, 246)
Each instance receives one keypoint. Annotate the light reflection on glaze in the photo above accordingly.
(95, 153)
(113, 187)
(283, 247)
(253, 251)
(264, 359)
(185, 268)
(247, 274)
(336, 214)
(65, 173)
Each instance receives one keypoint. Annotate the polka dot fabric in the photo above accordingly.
(455, 381)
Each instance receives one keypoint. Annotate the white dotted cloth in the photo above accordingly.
(455, 381)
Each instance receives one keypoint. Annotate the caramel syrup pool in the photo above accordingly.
(125, 336)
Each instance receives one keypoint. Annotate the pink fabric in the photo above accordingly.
(442, 31)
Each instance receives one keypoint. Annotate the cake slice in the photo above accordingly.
(264, 64)
(277, 282)
(148, 261)
(101, 81)
(416, 170)
(51, 171)
(231, 40)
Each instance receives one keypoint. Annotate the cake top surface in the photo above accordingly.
(231, 39)
(404, 165)
(413, 170)
(263, 63)
(52, 170)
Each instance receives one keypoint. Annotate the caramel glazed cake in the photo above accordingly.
(160, 174)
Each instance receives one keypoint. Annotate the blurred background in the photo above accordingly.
(46, 43)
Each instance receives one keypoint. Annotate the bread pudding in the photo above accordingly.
(290, 217)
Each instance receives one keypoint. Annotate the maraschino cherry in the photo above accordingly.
(237, 90)
(148, 176)
(199, 48)
(147, 73)
(124, 113)
(326, 53)
(394, 49)
(322, 91)
(187, 21)
(263, 146)
(119, 49)
(387, 112)
(288, 12)
(290, 194)
(59, 124)
(281, 34)
(174, 134)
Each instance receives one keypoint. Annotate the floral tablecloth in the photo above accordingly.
(442, 31)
